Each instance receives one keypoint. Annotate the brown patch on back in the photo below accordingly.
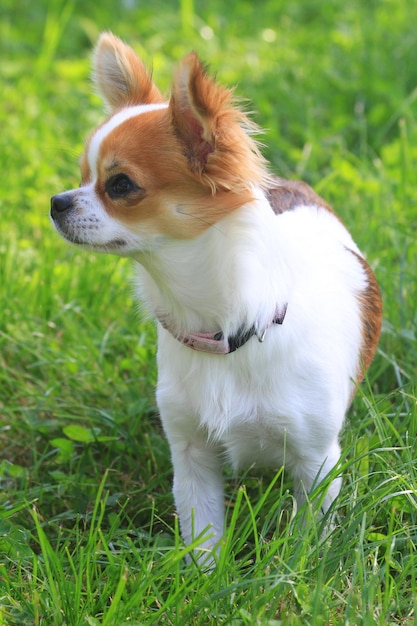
(285, 195)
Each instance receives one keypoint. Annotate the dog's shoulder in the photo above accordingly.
(285, 195)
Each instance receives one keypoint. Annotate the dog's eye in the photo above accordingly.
(119, 186)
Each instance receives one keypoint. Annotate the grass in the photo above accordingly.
(88, 533)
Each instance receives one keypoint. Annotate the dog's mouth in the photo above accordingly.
(83, 240)
(113, 244)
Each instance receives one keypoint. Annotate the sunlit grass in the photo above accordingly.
(88, 533)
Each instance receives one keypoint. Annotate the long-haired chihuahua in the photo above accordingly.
(267, 312)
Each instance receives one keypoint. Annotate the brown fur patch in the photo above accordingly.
(284, 195)
(172, 199)
(371, 310)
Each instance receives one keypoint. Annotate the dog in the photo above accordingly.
(268, 314)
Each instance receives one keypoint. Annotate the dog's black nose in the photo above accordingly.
(60, 203)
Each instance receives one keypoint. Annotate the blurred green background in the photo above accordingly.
(334, 85)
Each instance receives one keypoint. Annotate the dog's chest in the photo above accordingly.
(250, 430)
(248, 412)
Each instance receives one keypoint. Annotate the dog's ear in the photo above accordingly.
(120, 75)
(196, 103)
(213, 130)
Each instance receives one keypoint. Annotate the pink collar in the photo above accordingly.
(217, 343)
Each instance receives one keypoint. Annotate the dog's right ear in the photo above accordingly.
(120, 75)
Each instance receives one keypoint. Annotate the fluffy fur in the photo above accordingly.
(220, 245)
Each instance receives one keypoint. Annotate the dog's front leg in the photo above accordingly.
(198, 492)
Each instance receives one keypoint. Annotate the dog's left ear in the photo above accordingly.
(215, 133)
(120, 75)
(195, 104)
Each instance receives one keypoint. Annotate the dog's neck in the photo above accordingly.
(220, 281)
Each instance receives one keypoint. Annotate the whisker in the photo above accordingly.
(181, 211)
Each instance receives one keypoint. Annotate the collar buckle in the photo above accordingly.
(261, 336)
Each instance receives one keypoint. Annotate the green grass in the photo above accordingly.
(88, 533)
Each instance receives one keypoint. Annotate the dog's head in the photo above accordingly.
(154, 168)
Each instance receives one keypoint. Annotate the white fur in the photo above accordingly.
(284, 399)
